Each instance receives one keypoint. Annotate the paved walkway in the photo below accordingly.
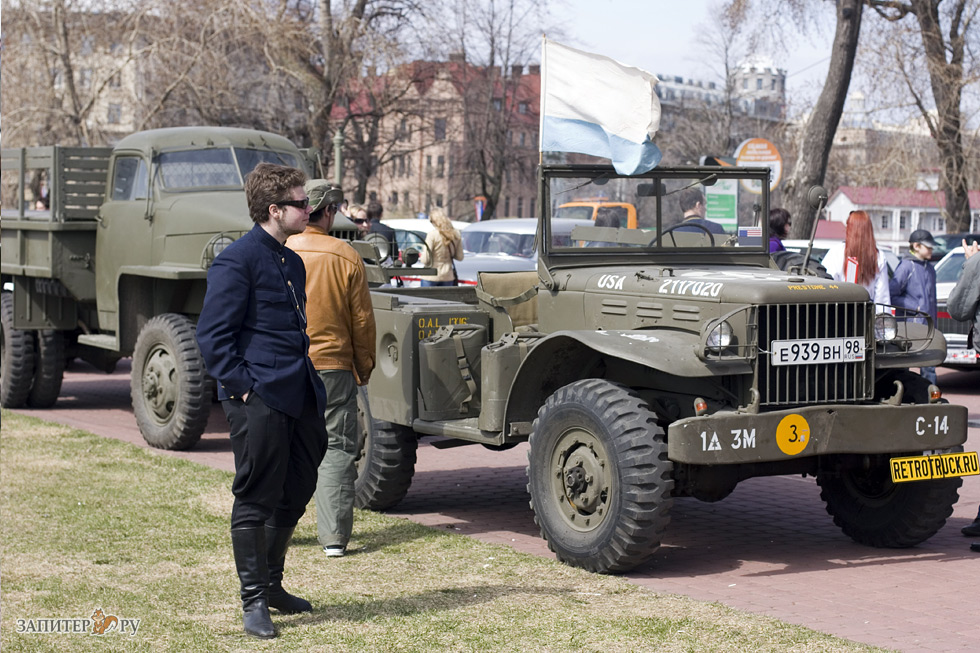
(770, 548)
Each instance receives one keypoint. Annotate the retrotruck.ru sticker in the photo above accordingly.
(924, 468)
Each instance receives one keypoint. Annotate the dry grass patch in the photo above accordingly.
(146, 536)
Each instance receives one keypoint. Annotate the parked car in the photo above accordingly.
(507, 244)
(948, 272)
(949, 242)
(411, 232)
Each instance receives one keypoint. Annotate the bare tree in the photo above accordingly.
(818, 132)
(947, 43)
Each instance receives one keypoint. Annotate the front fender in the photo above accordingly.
(567, 356)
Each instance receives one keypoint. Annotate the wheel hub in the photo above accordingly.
(580, 479)
(159, 383)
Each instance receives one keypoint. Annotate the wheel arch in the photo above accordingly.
(568, 356)
(143, 297)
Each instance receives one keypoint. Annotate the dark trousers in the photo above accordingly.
(276, 461)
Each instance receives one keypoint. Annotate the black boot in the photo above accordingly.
(278, 541)
(253, 572)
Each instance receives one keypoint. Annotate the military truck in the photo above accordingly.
(645, 364)
(117, 267)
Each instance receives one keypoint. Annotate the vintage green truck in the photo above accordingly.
(117, 267)
(667, 360)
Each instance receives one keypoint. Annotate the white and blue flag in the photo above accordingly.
(595, 105)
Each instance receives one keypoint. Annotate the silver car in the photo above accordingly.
(948, 272)
(507, 244)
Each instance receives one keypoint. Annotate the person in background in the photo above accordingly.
(691, 202)
(342, 332)
(358, 215)
(373, 213)
(605, 217)
(252, 335)
(964, 304)
(914, 285)
(859, 242)
(779, 224)
(443, 244)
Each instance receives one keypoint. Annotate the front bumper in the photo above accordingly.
(727, 438)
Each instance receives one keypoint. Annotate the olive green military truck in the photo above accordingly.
(117, 267)
(672, 359)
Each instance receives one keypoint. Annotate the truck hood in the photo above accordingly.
(722, 284)
(200, 213)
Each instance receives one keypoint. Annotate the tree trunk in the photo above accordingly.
(946, 78)
(818, 133)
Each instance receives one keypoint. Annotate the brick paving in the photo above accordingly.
(770, 548)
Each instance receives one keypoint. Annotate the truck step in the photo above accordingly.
(464, 429)
(99, 341)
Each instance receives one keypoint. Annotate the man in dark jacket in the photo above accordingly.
(914, 285)
(252, 334)
(964, 304)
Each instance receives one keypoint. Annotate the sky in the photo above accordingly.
(660, 36)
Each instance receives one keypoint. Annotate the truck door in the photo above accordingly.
(125, 231)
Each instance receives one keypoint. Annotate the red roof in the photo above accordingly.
(831, 230)
(871, 196)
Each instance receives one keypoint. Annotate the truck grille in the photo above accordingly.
(823, 382)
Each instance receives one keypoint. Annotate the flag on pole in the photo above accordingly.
(594, 105)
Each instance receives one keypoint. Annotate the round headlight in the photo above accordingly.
(219, 244)
(886, 327)
(720, 336)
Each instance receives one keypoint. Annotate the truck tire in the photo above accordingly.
(599, 478)
(50, 364)
(169, 389)
(17, 348)
(385, 460)
(872, 510)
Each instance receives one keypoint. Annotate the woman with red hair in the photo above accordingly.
(859, 243)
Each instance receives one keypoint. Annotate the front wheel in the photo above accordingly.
(872, 510)
(169, 388)
(385, 460)
(599, 477)
(50, 363)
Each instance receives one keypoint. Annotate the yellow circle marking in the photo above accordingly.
(792, 434)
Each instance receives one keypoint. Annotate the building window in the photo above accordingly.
(523, 136)
(85, 77)
(115, 81)
(439, 200)
(772, 86)
(498, 104)
(522, 107)
(506, 206)
(401, 165)
(114, 114)
(428, 165)
(393, 198)
(441, 166)
(428, 202)
(520, 207)
(403, 130)
(88, 44)
(440, 129)
(885, 222)
(758, 84)
(405, 199)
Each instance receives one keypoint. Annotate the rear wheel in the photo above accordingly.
(50, 363)
(169, 388)
(385, 463)
(17, 347)
(599, 478)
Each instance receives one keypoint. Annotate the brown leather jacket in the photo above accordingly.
(340, 320)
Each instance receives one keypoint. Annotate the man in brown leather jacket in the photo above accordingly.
(340, 324)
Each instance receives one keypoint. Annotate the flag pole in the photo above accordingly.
(544, 49)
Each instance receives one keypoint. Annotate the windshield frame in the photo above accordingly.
(757, 255)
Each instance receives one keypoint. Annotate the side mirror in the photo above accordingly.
(816, 196)
(410, 256)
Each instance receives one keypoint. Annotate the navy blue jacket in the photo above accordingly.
(914, 285)
(252, 329)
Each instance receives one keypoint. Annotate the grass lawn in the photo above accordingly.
(92, 523)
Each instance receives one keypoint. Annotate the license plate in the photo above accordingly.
(924, 468)
(812, 351)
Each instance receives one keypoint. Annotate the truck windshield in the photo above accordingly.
(687, 209)
(214, 168)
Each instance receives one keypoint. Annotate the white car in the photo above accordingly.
(948, 271)
(507, 244)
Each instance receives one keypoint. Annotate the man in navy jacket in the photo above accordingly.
(914, 284)
(252, 334)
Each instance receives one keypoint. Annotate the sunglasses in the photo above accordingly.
(359, 220)
(299, 204)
